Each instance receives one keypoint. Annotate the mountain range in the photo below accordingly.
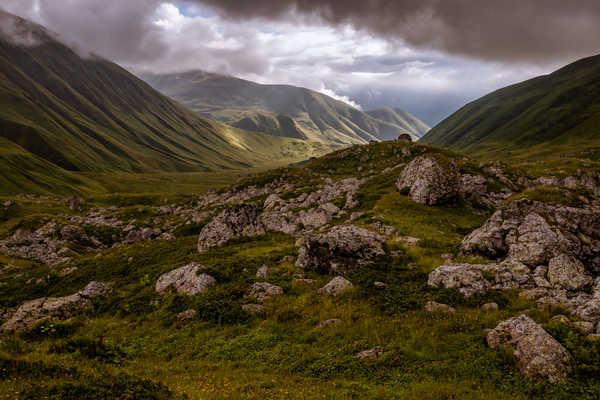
(84, 113)
(546, 116)
(283, 110)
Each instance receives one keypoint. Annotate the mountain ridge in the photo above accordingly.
(553, 114)
(240, 102)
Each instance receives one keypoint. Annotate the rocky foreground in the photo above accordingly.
(541, 240)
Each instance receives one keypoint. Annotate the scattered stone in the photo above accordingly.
(237, 221)
(328, 323)
(435, 307)
(490, 307)
(430, 180)
(335, 287)
(410, 241)
(185, 280)
(380, 285)
(9, 203)
(371, 354)
(562, 319)
(97, 289)
(66, 271)
(186, 316)
(262, 272)
(262, 291)
(76, 204)
(585, 326)
(71, 233)
(338, 251)
(253, 308)
(537, 353)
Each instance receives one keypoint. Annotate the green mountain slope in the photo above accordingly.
(88, 114)
(23, 172)
(549, 115)
(401, 118)
(238, 102)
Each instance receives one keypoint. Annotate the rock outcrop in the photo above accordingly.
(537, 353)
(185, 280)
(338, 251)
(33, 312)
(234, 222)
(432, 180)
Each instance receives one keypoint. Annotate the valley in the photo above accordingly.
(194, 235)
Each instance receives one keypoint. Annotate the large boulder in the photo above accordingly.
(533, 233)
(33, 312)
(432, 180)
(537, 353)
(185, 280)
(234, 222)
(342, 248)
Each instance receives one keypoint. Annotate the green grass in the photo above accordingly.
(545, 117)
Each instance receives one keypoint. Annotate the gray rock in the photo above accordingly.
(335, 287)
(585, 326)
(71, 232)
(33, 312)
(262, 272)
(186, 316)
(470, 279)
(329, 322)
(76, 204)
(568, 272)
(490, 307)
(435, 307)
(537, 353)
(339, 250)
(185, 280)
(253, 308)
(371, 354)
(432, 180)
(262, 291)
(234, 222)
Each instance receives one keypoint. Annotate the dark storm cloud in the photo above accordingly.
(506, 30)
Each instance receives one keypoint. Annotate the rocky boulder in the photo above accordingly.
(537, 353)
(339, 250)
(568, 273)
(472, 279)
(185, 280)
(234, 222)
(431, 180)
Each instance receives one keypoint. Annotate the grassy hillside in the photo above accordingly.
(242, 103)
(401, 118)
(23, 172)
(549, 115)
(88, 114)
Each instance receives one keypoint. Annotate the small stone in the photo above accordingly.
(584, 326)
(562, 319)
(185, 280)
(490, 307)
(253, 308)
(371, 354)
(186, 316)
(262, 291)
(335, 287)
(328, 323)
(435, 307)
(262, 272)
(380, 285)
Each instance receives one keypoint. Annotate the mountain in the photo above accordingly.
(276, 109)
(402, 119)
(553, 114)
(83, 113)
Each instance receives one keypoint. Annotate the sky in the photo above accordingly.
(428, 57)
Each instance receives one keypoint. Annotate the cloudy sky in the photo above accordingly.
(428, 57)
